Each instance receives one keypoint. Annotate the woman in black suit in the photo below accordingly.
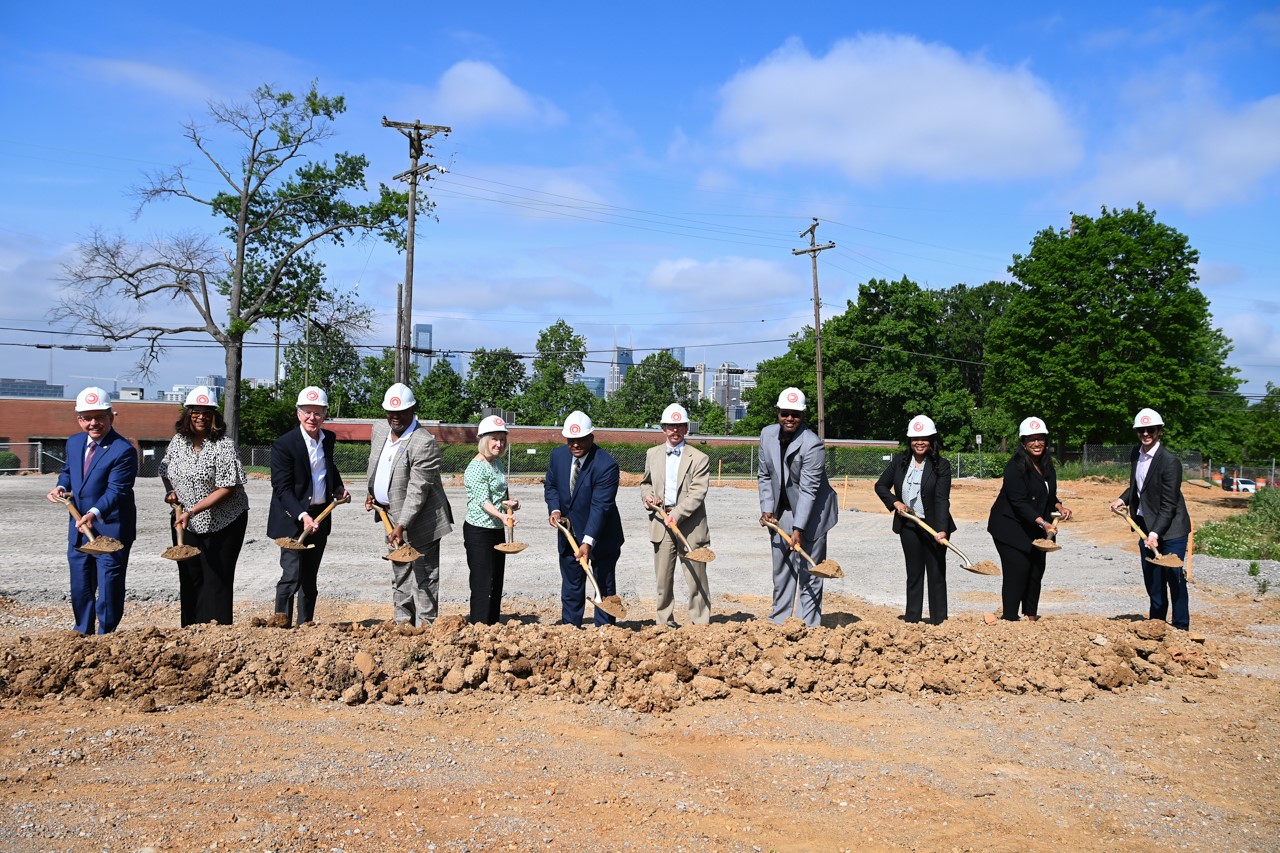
(1022, 514)
(920, 479)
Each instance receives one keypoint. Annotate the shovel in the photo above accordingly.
(1168, 561)
(406, 553)
(825, 569)
(96, 544)
(613, 604)
(1048, 545)
(181, 551)
(299, 544)
(985, 567)
(510, 547)
(698, 555)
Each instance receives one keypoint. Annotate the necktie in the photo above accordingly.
(573, 475)
(88, 457)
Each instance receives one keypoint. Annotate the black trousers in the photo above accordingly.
(206, 582)
(487, 569)
(1022, 573)
(299, 571)
(926, 560)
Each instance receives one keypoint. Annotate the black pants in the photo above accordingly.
(299, 571)
(1022, 573)
(487, 568)
(206, 582)
(926, 559)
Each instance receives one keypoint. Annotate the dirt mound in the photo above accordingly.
(647, 670)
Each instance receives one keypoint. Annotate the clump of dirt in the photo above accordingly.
(647, 670)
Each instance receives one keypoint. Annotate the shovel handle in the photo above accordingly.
(1123, 510)
(785, 535)
(324, 513)
(676, 530)
(946, 540)
(71, 508)
(386, 521)
(573, 543)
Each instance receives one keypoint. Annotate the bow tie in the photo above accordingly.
(674, 452)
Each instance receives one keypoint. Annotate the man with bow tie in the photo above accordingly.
(98, 476)
(676, 477)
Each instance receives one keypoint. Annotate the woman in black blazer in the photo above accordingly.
(1022, 514)
(920, 479)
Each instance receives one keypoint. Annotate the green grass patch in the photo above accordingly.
(1252, 536)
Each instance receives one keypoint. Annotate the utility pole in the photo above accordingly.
(812, 252)
(416, 132)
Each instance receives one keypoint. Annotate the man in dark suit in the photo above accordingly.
(98, 476)
(582, 487)
(1155, 501)
(795, 494)
(304, 479)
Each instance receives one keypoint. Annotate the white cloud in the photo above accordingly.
(1193, 153)
(878, 106)
(156, 79)
(472, 92)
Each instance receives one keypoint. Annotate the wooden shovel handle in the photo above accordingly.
(946, 540)
(573, 543)
(1123, 510)
(71, 508)
(785, 535)
(676, 530)
(386, 520)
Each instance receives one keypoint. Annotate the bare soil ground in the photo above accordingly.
(1081, 731)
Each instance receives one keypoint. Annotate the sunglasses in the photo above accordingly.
(1146, 430)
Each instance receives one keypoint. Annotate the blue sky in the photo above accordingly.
(644, 171)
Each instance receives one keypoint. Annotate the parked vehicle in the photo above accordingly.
(1238, 484)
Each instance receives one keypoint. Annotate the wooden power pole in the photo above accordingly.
(416, 132)
(812, 252)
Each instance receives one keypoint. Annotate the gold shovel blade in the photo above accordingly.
(180, 552)
(101, 545)
(293, 544)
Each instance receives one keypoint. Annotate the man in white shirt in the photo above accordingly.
(676, 478)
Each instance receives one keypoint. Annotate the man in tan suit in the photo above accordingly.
(676, 477)
(404, 479)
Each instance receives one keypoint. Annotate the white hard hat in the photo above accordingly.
(398, 398)
(93, 399)
(200, 396)
(577, 425)
(1147, 418)
(921, 426)
(1032, 426)
(791, 399)
(675, 414)
(491, 424)
(313, 396)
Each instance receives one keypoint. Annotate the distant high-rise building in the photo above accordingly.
(677, 353)
(594, 384)
(623, 361)
(30, 388)
(726, 389)
(422, 340)
(698, 379)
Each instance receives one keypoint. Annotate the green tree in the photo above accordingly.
(710, 417)
(496, 379)
(276, 208)
(325, 356)
(553, 391)
(967, 314)
(1107, 320)
(442, 397)
(264, 415)
(648, 388)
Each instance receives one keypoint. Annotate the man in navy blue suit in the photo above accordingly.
(98, 476)
(582, 487)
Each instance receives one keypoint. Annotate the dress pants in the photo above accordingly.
(1022, 573)
(97, 587)
(487, 569)
(791, 571)
(665, 556)
(574, 583)
(206, 582)
(415, 587)
(926, 560)
(1167, 585)
(299, 571)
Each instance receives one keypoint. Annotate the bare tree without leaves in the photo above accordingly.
(278, 207)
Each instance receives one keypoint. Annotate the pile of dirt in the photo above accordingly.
(648, 670)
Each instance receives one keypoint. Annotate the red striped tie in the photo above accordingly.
(88, 458)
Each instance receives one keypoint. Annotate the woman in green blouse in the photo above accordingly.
(486, 482)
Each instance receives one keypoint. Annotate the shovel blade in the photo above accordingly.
(827, 569)
(180, 552)
(982, 567)
(101, 545)
(1167, 561)
(701, 555)
(293, 544)
(511, 547)
(612, 605)
(1047, 545)
(404, 554)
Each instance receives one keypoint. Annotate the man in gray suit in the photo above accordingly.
(404, 479)
(795, 494)
(676, 478)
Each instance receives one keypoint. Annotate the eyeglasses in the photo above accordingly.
(1146, 430)
(89, 419)
(789, 415)
(201, 413)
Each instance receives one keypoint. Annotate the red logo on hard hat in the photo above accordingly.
(312, 395)
(917, 426)
(497, 421)
(1034, 424)
(675, 417)
(1146, 419)
(574, 429)
(792, 397)
(202, 399)
(395, 401)
(91, 397)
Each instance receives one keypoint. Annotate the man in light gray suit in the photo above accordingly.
(404, 479)
(676, 478)
(796, 495)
